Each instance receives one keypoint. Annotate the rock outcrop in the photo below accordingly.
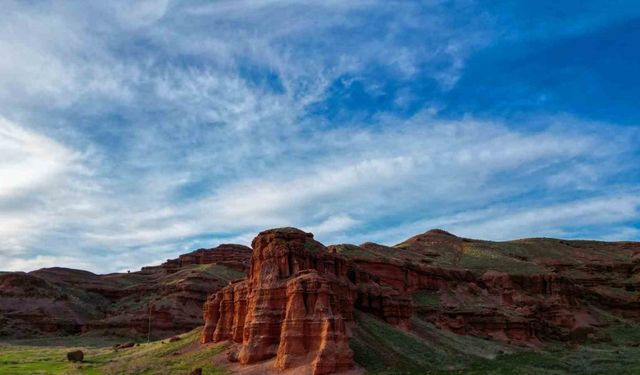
(297, 304)
(75, 356)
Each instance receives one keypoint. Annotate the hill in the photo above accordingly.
(55, 301)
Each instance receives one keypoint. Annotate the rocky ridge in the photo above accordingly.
(54, 301)
(521, 292)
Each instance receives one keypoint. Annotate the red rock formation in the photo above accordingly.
(296, 304)
(521, 309)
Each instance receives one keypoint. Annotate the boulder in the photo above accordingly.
(75, 356)
(124, 345)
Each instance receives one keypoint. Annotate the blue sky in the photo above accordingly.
(131, 132)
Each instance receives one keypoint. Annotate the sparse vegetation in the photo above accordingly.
(620, 355)
(310, 246)
(426, 298)
(383, 349)
(483, 256)
(217, 270)
(354, 251)
(48, 356)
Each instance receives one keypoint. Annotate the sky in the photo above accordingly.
(132, 132)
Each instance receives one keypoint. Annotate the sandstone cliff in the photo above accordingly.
(297, 305)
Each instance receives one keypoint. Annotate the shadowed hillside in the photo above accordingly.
(54, 301)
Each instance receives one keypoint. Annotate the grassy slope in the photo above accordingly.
(525, 256)
(137, 302)
(219, 271)
(620, 355)
(48, 356)
(383, 349)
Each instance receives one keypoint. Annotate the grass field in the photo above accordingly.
(48, 356)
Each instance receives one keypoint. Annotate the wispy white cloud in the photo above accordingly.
(605, 217)
(29, 160)
(136, 131)
(41, 261)
(33, 169)
(333, 224)
(543, 220)
(366, 175)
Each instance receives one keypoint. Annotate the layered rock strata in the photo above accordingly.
(297, 304)
(523, 292)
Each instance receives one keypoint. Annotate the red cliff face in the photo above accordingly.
(296, 304)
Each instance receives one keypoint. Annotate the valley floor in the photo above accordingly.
(378, 347)
(48, 356)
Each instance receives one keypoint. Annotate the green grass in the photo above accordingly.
(48, 356)
(379, 347)
(379, 253)
(593, 359)
(426, 298)
(383, 349)
(217, 270)
(484, 256)
(525, 256)
(357, 252)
